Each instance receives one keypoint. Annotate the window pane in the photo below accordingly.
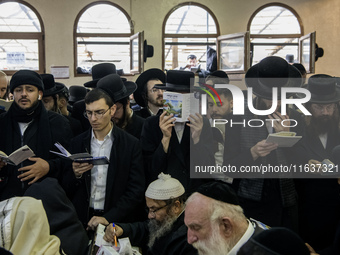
(94, 50)
(103, 18)
(190, 20)
(19, 54)
(274, 47)
(15, 17)
(275, 20)
(176, 55)
(232, 54)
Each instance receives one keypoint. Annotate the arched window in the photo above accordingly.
(274, 31)
(102, 34)
(21, 38)
(189, 28)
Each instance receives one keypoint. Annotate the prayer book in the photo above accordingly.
(283, 139)
(18, 156)
(84, 157)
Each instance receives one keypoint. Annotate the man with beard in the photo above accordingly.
(164, 232)
(215, 220)
(146, 96)
(28, 123)
(319, 194)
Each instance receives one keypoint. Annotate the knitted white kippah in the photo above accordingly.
(164, 188)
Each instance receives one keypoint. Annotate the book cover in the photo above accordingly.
(18, 156)
(283, 139)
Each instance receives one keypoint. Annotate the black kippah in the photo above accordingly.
(26, 77)
(220, 191)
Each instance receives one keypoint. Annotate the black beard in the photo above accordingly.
(158, 229)
(324, 124)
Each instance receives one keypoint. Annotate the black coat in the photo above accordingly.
(135, 125)
(173, 243)
(125, 184)
(177, 161)
(143, 112)
(58, 129)
(78, 110)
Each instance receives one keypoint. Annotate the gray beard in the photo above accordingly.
(158, 229)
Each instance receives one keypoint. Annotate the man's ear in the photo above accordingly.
(113, 110)
(40, 93)
(177, 206)
(231, 103)
(226, 227)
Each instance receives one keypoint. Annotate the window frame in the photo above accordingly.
(274, 36)
(40, 36)
(207, 36)
(76, 34)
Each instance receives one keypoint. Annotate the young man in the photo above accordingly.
(28, 123)
(110, 192)
(146, 96)
(164, 232)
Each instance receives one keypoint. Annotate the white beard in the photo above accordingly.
(159, 229)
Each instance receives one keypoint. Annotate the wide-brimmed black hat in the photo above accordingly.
(323, 89)
(272, 72)
(113, 85)
(148, 51)
(143, 79)
(98, 72)
(49, 85)
(77, 93)
(177, 80)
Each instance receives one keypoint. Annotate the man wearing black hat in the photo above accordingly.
(215, 220)
(28, 123)
(98, 71)
(146, 96)
(167, 144)
(319, 196)
(124, 116)
(272, 200)
(109, 192)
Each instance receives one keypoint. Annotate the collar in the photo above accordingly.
(246, 236)
(105, 138)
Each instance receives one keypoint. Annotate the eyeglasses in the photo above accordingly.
(155, 90)
(323, 107)
(98, 114)
(153, 213)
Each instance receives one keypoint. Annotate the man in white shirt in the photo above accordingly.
(215, 220)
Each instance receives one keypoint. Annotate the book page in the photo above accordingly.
(21, 154)
(283, 141)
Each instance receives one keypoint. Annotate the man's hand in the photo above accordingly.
(166, 123)
(262, 149)
(80, 168)
(36, 171)
(196, 125)
(110, 233)
(95, 221)
(315, 166)
(277, 119)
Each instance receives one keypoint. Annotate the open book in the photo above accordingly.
(18, 156)
(283, 139)
(84, 157)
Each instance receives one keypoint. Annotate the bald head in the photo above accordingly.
(3, 85)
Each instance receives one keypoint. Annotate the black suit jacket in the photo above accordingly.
(125, 184)
(135, 125)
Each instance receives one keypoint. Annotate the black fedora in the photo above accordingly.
(49, 84)
(98, 72)
(323, 89)
(77, 93)
(143, 79)
(177, 80)
(148, 51)
(113, 85)
(272, 72)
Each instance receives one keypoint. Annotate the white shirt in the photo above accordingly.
(23, 126)
(179, 128)
(246, 236)
(99, 172)
(323, 139)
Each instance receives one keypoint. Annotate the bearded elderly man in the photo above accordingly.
(215, 220)
(164, 232)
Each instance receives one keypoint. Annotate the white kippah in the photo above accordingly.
(164, 188)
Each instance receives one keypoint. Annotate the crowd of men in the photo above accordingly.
(143, 186)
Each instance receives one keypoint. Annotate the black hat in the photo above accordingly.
(177, 80)
(220, 191)
(143, 79)
(77, 93)
(275, 241)
(49, 85)
(113, 85)
(98, 72)
(61, 88)
(22, 77)
(272, 72)
(148, 51)
(323, 89)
